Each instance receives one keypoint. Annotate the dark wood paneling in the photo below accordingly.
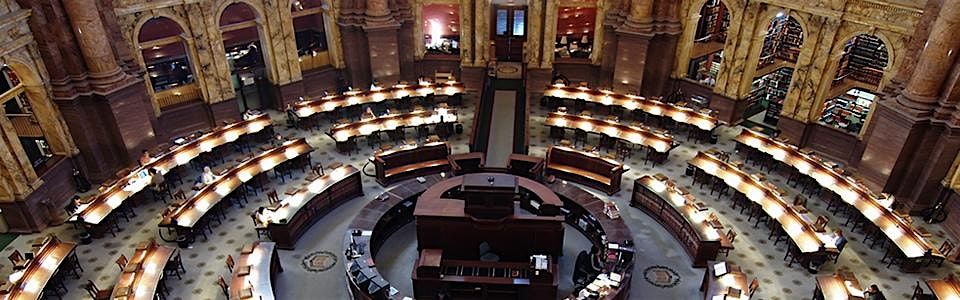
(430, 64)
(226, 111)
(831, 142)
(656, 76)
(794, 131)
(44, 206)
(184, 118)
(317, 80)
(288, 93)
(576, 71)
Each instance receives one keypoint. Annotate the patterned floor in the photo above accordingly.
(312, 271)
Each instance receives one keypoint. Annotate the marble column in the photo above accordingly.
(97, 51)
(935, 61)
(633, 39)
(383, 37)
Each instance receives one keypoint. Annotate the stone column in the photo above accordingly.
(633, 39)
(383, 37)
(96, 49)
(482, 38)
(935, 61)
(550, 34)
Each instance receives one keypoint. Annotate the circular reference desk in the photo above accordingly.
(393, 209)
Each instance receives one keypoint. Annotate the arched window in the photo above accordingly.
(778, 58)
(167, 60)
(308, 24)
(708, 42)
(859, 74)
(241, 42)
(575, 29)
(441, 29)
(17, 108)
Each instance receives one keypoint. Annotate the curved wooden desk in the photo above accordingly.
(653, 106)
(797, 225)
(143, 272)
(190, 211)
(870, 205)
(680, 213)
(410, 161)
(114, 195)
(636, 135)
(395, 207)
(255, 271)
(31, 280)
(586, 168)
(333, 102)
(296, 213)
(344, 132)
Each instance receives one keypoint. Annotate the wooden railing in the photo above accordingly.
(310, 62)
(177, 95)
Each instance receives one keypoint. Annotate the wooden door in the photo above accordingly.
(510, 31)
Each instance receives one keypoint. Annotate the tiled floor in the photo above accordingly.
(204, 261)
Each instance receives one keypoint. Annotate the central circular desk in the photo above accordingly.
(393, 209)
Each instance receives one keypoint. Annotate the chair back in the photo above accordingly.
(821, 223)
(318, 169)
(800, 200)
(731, 235)
(230, 262)
(272, 197)
(91, 289)
(180, 195)
(223, 286)
(917, 291)
(122, 261)
(947, 247)
(754, 285)
(16, 257)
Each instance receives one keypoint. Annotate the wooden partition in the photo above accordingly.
(333, 102)
(411, 161)
(113, 195)
(188, 213)
(585, 168)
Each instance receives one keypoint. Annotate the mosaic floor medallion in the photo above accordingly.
(319, 261)
(661, 276)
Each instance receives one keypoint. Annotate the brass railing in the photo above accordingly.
(181, 94)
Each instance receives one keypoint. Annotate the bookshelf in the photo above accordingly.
(768, 93)
(714, 20)
(783, 41)
(864, 59)
(848, 111)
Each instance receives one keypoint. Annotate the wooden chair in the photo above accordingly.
(918, 293)
(230, 263)
(318, 169)
(223, 286)
(96, 293)
(754, 285)
(731, 236)
(16, 258)
(122, 262)
(800, 200)
(272, 197)
(821, 223)
(259, 226)
(175, 266)
(945, 250)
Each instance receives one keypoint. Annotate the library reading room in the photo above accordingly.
(480, 149)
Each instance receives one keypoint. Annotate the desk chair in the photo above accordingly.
(223, 286)
(230, 263)
(918, 293)
(96, 293)
(175, 266)
(486, 255)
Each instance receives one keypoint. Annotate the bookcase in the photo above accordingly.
(848, 111)
(864, 58)
(714, 21)
(768, 92)
(783, 41)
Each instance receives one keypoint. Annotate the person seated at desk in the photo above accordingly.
(817, 261)
(251, 113)
(277, 140)
(145, 158)
(156, 180)
(873, 293)
(292, 119)
(368, 114)
(206, 178)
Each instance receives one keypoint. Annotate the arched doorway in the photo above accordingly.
(19, 110)
(853, 93)
(166, 57)
(310, 30)
(509, 29)
(708, 41)
(778, 58)
(241, 35)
